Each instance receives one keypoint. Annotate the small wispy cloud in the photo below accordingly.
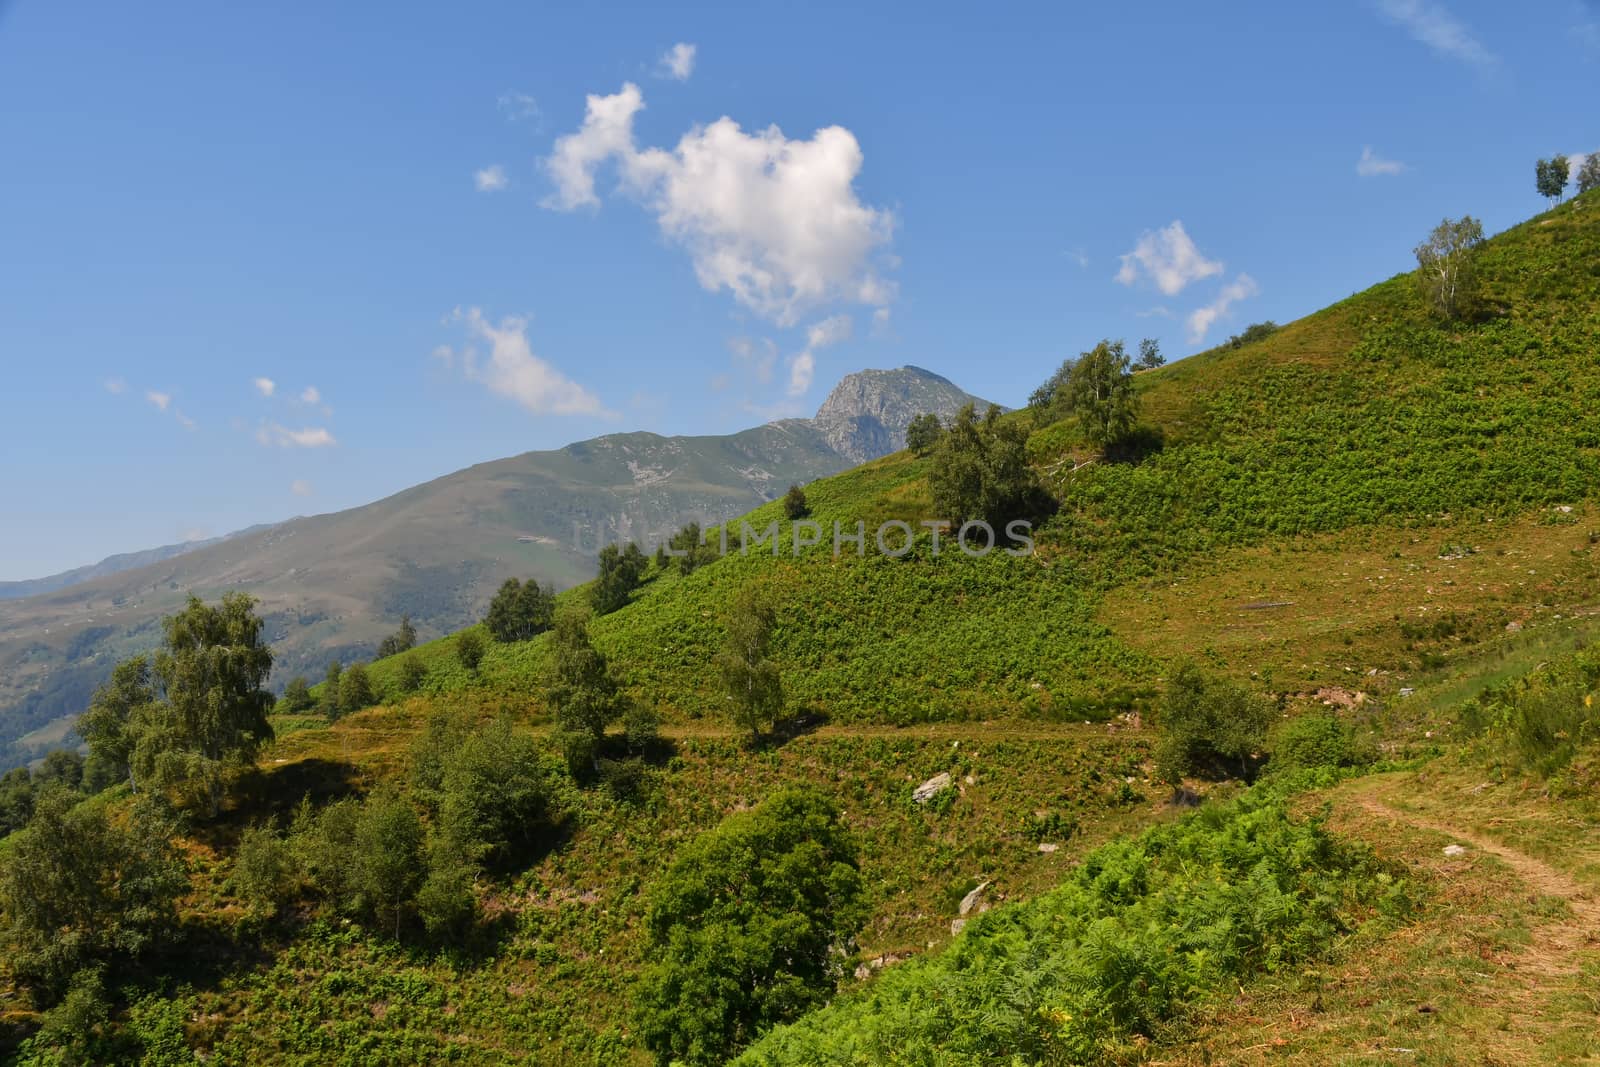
(1169, 258)
(491, 179)
(678, 61)
(271, 433)
(1201, 319)
(803, 365)
(517, 107)
(300, 487)
(264, 386)
(1372, 165)
(1433, 25)
(513, 370)
(310, 395)
(161, 400)
(115, 386)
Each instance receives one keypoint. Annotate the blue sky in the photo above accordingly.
(416, 212)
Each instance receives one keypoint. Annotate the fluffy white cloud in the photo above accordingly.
(1168, 258)
(774, 221)
(300, 487)
(1372, 165)
(162, 401)
(1433, 25)
(491, 179)
(513, 370)
(264, 386)
(1201, 319)
(271, 433)
(803, 366)
(678, 62)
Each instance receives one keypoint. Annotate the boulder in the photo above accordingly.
(931, 788)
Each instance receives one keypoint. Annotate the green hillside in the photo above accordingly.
(1369, 514)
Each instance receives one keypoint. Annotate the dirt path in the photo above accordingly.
(1557, 946)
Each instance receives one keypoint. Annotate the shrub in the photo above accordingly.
(794, 503)
(402, 640)
(981, 471)
(641, 727)
(498, 801)
(266, 873)
(1315, 740)
(413, 672)
(923, 433)
(1209, 727)
(355, 690)
(469, 650)
(621, 571)
(296, 697)
(752, 925)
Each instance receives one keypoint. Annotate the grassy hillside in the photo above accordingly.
(1368, 511)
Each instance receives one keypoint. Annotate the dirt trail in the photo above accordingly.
(1557, 946)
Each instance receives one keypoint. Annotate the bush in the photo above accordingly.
(981, 472)
(752, 925)
(355, 690)
(498, 801)
(794, 503)
(1542, 721)
(923, 433)
(296, 697)
(621, 571)
(1315, 740)
(1209, 727)
(445, 902)
(401, 641)
(641, 727)
(266, 873)
(413, 672)
(469, 650)
(519, 611)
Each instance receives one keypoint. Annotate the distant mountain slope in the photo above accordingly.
(123, 561)
(332, 586)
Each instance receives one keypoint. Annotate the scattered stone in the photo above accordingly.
(957, 925)
(1454, 850)
(972, 899)
(931, 788)
(1406, 690)
(1513, 627)
(969, 779)
(1046, 846)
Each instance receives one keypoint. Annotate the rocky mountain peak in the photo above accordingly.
(867, 413)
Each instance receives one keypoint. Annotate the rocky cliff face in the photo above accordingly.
(867, 413)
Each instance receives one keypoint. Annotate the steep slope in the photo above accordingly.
(331, 586)
(122, 561)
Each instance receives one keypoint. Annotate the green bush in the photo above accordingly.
(1317, 739)
(498, 799)
(1209, 727)
(266, 873)
(752, 925)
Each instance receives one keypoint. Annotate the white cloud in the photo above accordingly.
(300, 487)
(803, 366)
(491, 179)
(183, 420)
(115, 386)
(518, 106)
(513, 371)
(162, 401)
(271, 433)
(1201, 319)
(1372, 165)
(1433, 25)
(774, 221)
(264, 386)
(1168, 258)
(310, 395)
(678, 62)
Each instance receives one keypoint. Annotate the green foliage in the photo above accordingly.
(266, 872)
(1099, 393)
(328, 702)
(1144, 928)
(751, 680)
(621, 571)
(16, 800)
(498, 801)
(402, 640)
(1150, 356)
(1316, 740)
(923, 433)
(687, 548)
(981, 471)
(389, 857)
(1550, 176)
(1447, 267)
(1256, 331)
(413, 672)
(445, 902)
(641, 726)
(356, 692)
(1209, 726)
(78, 890)
(1543, 721)
(582, 693)
(296, 697)
(1589, 173)
(469, 650)
(519, 611)
(115, 716)
(75, 1031)
(794, 503)
(752, 925)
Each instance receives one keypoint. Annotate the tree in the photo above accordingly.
(355, 690)
(329, 703)
(1099, 392)
(621, 571)
(1208, 726)
(16, 800)
(581, 692)
(402, 640)
(413, 672)
(496, 798)
(1150, 356)
(923, 433)
(390, 860)
(751, 681)
(469, 650)
(1589, 173)
(60, 766)
(77, 889)
(1550, 176)
(981, 471)
(794, 503)
(752, 925)
(212, 672)
(266, 873)
(296, 697)
(111, 724)
(1445, 264)
(690, 553)
(519, 611)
